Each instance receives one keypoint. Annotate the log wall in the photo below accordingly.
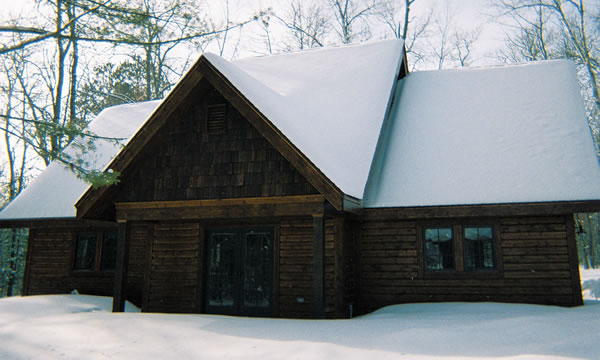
(535, 266)
(295, 290)
(175, 268)
(50, 263)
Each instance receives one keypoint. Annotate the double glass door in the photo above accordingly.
(239, 272)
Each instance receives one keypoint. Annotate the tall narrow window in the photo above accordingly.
(478, 248)
(85, 252)
(439, 249)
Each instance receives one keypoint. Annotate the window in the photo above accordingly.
(439, 249)
(95, 251)
(478, 248)
(459, 248)
(85, 255)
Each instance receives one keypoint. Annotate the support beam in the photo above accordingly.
(573, 260)
(121, 269)
(318, 266)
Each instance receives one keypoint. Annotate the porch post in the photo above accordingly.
(120, 269)
(318, 267)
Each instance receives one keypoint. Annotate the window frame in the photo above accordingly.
(458, 226)
(100, 238)
(494, 249)
(453, 243)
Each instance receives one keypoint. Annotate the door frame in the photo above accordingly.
(241, 226)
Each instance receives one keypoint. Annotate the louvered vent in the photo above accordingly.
(215, 119)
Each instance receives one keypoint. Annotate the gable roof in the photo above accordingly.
(343, 92)
(511, 134)
(330, 103)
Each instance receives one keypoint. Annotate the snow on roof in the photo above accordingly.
(330, 103)
(55, 191)
(479, 136)
(483, 136)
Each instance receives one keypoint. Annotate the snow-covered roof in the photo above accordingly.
(484, 136)
(55, 191)
(330, 103)
(479, 136)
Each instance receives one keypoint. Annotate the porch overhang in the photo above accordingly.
(256, 207)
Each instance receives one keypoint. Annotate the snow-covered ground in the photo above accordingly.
(81, 327)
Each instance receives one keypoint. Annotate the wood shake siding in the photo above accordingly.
(184, 162)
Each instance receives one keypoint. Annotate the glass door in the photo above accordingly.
(239, 272)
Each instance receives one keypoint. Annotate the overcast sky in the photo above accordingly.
(464, 14)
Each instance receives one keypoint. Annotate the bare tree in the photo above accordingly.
(352, 19)
(450, 44)
(307, 24)
(151, 30)
(12, 241)
(548, 29)
(396, 16)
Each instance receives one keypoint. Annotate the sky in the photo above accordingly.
(464, 14)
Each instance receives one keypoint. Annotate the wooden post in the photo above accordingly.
(573, 260)
(120, 269)
(318, 267)
(340, 256)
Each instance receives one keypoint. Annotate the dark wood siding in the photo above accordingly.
(138, 235)
(295, 268)
(50, 263)
(533, 253)
(331, 286)
(176, 262)
(185, 162)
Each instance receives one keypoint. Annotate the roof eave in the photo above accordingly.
(541, 208)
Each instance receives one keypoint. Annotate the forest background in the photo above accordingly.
(63, 61)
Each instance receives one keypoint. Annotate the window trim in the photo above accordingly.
(99, 233)
(458, 226)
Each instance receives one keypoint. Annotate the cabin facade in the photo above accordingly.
(228, 205)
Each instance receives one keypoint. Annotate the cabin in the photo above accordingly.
(325, 183)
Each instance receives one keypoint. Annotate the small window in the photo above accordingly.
(89, 245)
(85, 258)
(215, 119)
(439, 249)
(478, 248)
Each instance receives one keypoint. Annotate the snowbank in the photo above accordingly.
(79, 327)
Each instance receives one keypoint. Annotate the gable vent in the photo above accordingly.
(215, 119)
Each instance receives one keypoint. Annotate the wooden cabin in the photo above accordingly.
(324, 184)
